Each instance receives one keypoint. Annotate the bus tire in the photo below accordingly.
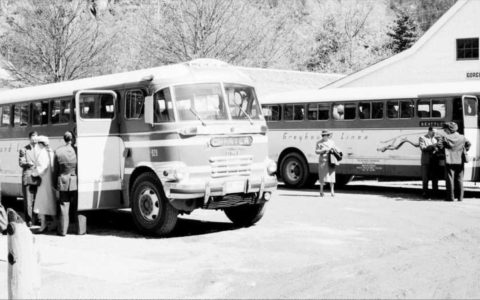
(245, 215)
(152, 212)
(342, 180)
(294, 170)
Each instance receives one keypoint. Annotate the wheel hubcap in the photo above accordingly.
(293, 170)
(149, 204)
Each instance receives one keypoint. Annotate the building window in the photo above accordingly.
(467, 48)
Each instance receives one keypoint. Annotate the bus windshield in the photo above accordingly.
(242, 103)
(200, 102)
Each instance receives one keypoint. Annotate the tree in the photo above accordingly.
(233, 31)
(53, 40)
(403, 33)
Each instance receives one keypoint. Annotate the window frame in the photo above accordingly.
(95, 92)
(293, 112)
(318, 115)
(472, 48)
(9, 116)
(48, 112)
(125, 97)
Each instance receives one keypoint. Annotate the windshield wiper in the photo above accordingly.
(198, 116)
(245, 113)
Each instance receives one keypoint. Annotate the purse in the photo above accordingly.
(465, 157)
(332, 159)
(33, 180)
(338, 155)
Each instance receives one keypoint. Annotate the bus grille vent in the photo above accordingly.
(231, 165)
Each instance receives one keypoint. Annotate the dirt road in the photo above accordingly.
(367, 242)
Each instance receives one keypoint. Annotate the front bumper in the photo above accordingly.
(193, 189)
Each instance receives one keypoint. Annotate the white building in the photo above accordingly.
(447, 52)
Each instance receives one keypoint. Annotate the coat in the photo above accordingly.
(66, 168)
(45, 200)
(27, 157)
(428, 146)
(455, 144)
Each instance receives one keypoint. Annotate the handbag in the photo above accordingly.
(33, 180)
(332, 159)
(338, 155)
(465, 157)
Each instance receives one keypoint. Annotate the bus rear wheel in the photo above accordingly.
(245, 215)
(294, 170)
(152, 212)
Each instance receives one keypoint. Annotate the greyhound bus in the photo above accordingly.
(161, 141)
(376, 128)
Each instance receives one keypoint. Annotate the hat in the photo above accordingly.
(43, 139)
(452, 126)
(326, 132)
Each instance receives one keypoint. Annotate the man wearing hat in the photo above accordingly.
(429, 162)
(66, 176)
(455, 146)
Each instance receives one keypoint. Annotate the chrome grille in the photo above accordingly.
(231, 165)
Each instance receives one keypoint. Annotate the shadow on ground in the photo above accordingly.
(397, 193)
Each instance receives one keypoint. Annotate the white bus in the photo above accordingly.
(377, 128)
(163, 141)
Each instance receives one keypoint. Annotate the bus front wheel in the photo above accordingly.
(294, 170)
(245, 215)
(152, 212)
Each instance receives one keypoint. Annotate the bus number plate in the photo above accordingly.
(234, 187)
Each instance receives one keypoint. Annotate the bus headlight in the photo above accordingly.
(271, 167)
(180, 174)
(177, 173)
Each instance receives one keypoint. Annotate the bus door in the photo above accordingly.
(99, 150)
(470, 130)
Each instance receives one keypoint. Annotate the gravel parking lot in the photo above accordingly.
(372, 240)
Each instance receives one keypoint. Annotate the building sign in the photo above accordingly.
(473, 75)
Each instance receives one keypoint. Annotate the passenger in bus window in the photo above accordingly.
(338, 112)
(326, 169)
(456, 147)
(429, 161)
(26, 160)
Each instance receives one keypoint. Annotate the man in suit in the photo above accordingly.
(66, 183)
(455, 145)
(26, 160)
(428, 146)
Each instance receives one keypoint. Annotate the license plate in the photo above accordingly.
(234, 187)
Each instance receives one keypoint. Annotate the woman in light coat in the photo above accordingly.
(326, 171)
(45, 201)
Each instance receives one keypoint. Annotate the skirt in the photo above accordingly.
(326, 173)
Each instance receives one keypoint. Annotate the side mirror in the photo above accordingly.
(149, 110)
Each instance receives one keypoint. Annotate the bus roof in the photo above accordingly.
(199, 70)
(373, 93)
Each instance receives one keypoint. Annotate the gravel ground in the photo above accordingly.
(372, 240)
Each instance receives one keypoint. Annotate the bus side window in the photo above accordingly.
(393, 110)
(288, 112)
(134, 104)
(163, 106)
(5, 114)
(299, 112)
(21, 114)
(423, 108)
(438, 108)
(338, 111)
(60, 111)
(406, 109)
(377, 110)
(40, 113)
(272, 112)
(364, 110)
(97, 106)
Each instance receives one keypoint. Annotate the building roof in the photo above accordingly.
(369, 93)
